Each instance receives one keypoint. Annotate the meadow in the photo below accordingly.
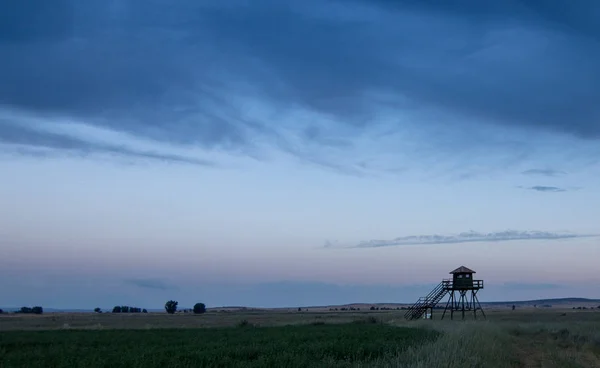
(551, 337)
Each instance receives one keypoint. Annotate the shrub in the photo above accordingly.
(199, 308)
(171, 306)
(97, 310)
(144, 310)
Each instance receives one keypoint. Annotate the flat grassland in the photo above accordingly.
(521, 338)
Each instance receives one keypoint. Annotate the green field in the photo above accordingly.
(318, 345)
(548, 338)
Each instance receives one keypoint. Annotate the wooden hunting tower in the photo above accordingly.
(463, 296)
(459, 301)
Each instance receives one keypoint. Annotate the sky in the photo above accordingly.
(296, 153)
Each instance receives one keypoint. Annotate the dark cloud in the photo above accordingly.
(24, 140)
(33, 21)
(151, 284)
(543, 188)
(177, 72)
(467, 237)
(544, 172)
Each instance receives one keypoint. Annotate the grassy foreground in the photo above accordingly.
(523, 338)
(319, 345)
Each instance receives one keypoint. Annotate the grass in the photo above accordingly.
(335, 345)
(549, 337)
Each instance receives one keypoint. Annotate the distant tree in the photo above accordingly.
(1, 311)
(199, 308)
(25, 310)
(171, 306)
(117, 309)
(97, 310)
(144, 310)
(513, 307)
(299, 309)
(124, 309)
(37, 310)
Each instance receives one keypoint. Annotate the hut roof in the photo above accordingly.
(462, 269)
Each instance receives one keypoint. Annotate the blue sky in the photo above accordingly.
(283, 153)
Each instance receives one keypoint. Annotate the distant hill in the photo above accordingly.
(556, 301)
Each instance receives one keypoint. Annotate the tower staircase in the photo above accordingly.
(417, 310)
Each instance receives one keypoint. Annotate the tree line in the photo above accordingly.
(170, 308)
(28, 310)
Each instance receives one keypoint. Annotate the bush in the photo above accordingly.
(199, 308)
(144, 310)
(1, 311)
(126, 309)
(34, 310)
(97, 310)
(171, 306)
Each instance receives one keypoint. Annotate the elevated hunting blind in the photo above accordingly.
(462, 289)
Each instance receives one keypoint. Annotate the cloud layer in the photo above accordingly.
(302, 75)
(466, 237)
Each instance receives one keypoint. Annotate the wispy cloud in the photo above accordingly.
(156, 284)
(32, 140)
(544, 172)
(543, 188)
(466, 237)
